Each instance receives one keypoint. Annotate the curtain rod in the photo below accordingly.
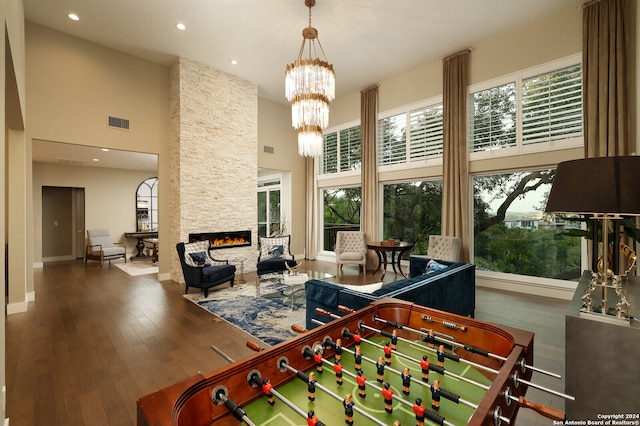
(462, 52)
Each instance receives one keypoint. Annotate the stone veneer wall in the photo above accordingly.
(213, 158)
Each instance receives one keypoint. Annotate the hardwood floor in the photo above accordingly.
(97, 339)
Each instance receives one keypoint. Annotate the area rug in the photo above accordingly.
(266, 311)
(138, 267)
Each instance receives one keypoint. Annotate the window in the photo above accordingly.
(512, 234)
(341, 151)
(392, 140)
(412, 212)
(528, 111)
(269, 213)
(425, 136)
(494, 118)
(341, 213)
(552, 106)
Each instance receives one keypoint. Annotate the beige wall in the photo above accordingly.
(109, 198)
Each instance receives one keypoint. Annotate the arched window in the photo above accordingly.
(147, 205)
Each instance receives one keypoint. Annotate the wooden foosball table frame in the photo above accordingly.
(189, 402)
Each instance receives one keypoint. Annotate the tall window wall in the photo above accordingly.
(520, 115)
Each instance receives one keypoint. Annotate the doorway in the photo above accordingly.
(63, 224)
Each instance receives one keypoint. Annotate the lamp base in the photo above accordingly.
(591, 305)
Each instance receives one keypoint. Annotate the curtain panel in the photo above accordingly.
(369, 175)
(605, 59)
(455, 179)
(311, 222)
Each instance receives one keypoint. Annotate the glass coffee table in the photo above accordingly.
(294, 282)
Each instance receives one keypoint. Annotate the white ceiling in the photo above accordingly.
(367, 41)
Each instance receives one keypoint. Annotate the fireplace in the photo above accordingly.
(226, 239)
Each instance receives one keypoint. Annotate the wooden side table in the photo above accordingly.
(153, 245)
(397, 249)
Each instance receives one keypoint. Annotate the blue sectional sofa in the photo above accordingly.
(451, 289)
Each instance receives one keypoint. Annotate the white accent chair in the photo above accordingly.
(101, 247)
(351, 248)
(442, 247)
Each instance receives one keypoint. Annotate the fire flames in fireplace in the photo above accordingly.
(220, 240)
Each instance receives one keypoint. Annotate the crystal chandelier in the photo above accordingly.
(310, 84)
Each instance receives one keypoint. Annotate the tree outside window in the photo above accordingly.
(341, 213)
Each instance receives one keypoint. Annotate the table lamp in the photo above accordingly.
(604, 189)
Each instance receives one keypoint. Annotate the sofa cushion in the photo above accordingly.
(434, 266)
(396, 285)
(217, 272)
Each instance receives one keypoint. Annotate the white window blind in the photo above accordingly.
(330, 154)
(493, 125)
(425, 132)
(350, 149)
(392, 140)
(552, 106)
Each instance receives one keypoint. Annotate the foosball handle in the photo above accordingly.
(545, 410)
(253, 346)
(298, 328)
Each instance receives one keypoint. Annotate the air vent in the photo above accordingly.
(268, 149)
(70, 162)
(119, 123)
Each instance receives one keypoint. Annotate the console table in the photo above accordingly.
(601, 356)
(397, 249)
(141, 236)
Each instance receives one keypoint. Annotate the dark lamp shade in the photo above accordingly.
(603, 185)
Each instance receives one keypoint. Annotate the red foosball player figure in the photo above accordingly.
(356, 339)
(418, 410)
(394, 339)
(266, 388)
(387, 353)
(387, 395)
(337, 367)
(406, 381)
(360, 379)
(435, 395)
(312, 420)
(424, 364)
(348, 404)
(317, 357)
(380, 370)
(312, 386)
(338, 350)
(440, 353)
(358, 358)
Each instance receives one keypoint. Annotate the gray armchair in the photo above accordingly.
(351, 249)
(101, 247)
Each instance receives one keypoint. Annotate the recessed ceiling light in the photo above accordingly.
(73, 17)
(95, 159)
(234, 62)
(181, 26)
(105, 149)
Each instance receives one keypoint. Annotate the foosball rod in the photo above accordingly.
(436, 368)
(443, 372)
(468, 348)
(417, 361)
(446, 394)
(431, 415)
(455, 358)
(256, 380)
(299, 374)
(234, 408)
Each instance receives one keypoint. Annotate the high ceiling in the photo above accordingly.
(367, 41)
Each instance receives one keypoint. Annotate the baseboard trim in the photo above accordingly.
(17, 308)
(164, 277)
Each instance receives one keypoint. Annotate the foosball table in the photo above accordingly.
(389, 363)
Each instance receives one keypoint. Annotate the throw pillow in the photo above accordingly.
(267, 242)
(433, 266)
(276, 252)
(200, 259)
